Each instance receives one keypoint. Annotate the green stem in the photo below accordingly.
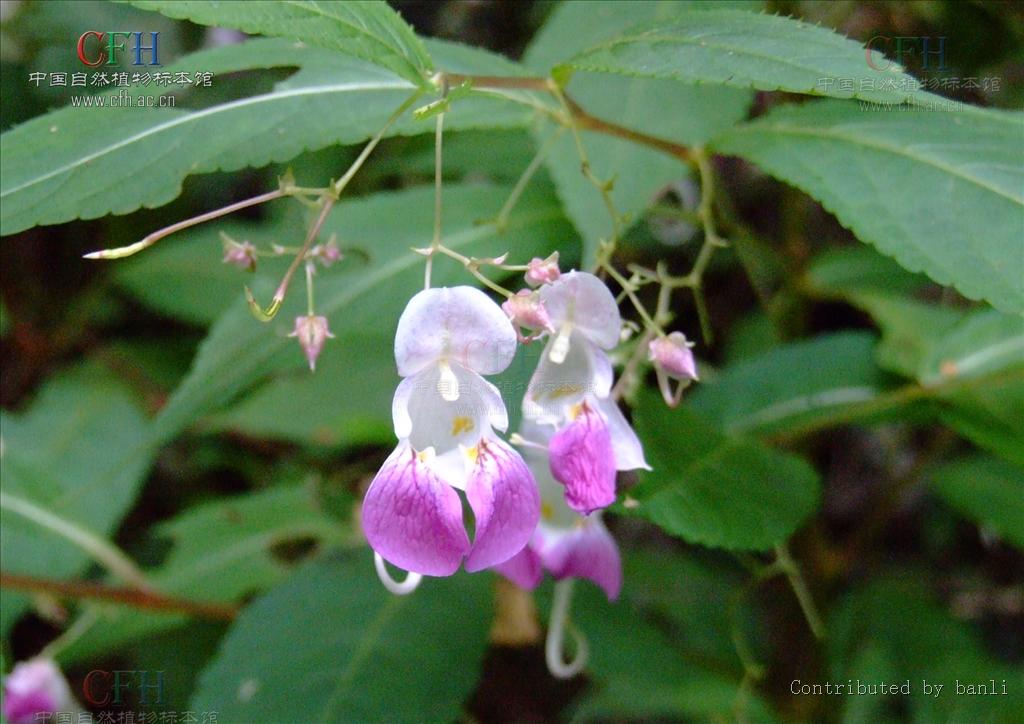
(102, 551)
(803, 594)
(524, 179)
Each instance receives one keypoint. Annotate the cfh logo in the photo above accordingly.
(96, 48)
(904, 47)
(107, 688)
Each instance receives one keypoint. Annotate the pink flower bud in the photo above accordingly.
(327, 253)
(34, 690)
(542, 271)
(312, 331)
(526, 310)
(241, 255)
(673, 355)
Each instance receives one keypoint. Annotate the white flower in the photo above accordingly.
(445, 414)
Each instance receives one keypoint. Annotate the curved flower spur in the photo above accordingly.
(568, 546)
(445, 414)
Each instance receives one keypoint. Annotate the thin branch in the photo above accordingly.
(148, 241)
(803, 594)
(132, 597)
(98, 548)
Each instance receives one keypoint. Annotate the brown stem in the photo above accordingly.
(583, 118)
(499, 81)
(133, 597)
(593, 123)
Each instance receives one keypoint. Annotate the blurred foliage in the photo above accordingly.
(861, 405)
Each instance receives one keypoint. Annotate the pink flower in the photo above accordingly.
(673, 359)
(312, 332)
(445, 414)
(566, 544)
(34, 690)
(542, 271)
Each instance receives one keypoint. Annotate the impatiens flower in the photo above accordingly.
(566, 544)
(445, 414)
(242, 255)
(673, 359)
(312, 332)
(542, 271)
(525, 310)
(34, 691)
(570, 392)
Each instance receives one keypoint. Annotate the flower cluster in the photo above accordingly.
(534, 511)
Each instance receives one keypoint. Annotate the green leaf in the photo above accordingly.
(79, 454)
(913, 636)
(87, 162)
(984, 342)
(310, 408)
(639, 671)
(952, 199)
(850, 269)
(694, 596)
(748, 50)
(331, 645)
(222, 550)
(359, 296)
(991, 415)
(368, 30)
(986, 490)
(793, 384)
(719, 491)
(669, 110)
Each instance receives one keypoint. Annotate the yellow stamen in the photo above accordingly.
(546, 511)
(426, 455)
(461, 424)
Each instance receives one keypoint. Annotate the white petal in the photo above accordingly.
(629, 453)
(461, 324)
(423, 415)
(557, 387)
(400, 404)
(585, 302)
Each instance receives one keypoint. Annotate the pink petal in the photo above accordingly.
(582, 459)
(504, 497)
(413, 519)
(590, 552)
(523, 569)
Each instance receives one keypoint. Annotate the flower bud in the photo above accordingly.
(673, 359)
(312, 331)
(542, 271)
(241, 255)
(34, 690)
(526, 310)
(672, 354)
(327, 253)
